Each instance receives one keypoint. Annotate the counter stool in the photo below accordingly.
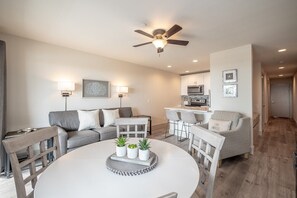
(188, 119)
(172, 118)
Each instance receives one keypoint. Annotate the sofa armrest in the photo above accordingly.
(63, 136)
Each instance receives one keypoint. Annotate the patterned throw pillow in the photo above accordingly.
(219, 125)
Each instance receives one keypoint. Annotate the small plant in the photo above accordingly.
(121, 141)
(144, 144)
(132, 146)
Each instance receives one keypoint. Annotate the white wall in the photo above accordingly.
(239, 58)
(34, 68)
(295, 98)
(257, 93)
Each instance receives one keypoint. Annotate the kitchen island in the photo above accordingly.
(202, 114)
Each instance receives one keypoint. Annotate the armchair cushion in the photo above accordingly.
(227, 116)
(219, 125)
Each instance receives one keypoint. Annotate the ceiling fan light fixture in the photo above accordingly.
(159, 43)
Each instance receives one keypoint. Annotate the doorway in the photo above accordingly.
(281, 98)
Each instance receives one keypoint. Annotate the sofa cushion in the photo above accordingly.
(110, 116)
(108, 132)
(227, 116)
(88, 119)
(81, 138)
(68, 120)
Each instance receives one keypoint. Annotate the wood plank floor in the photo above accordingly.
(266, 174)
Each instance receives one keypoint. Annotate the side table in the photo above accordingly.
(149, 130)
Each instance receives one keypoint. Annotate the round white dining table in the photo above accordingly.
(82, 173)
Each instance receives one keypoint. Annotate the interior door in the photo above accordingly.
(280, 100)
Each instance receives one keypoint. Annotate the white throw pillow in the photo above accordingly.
(219, 125)
(88, 119)
(110, 116)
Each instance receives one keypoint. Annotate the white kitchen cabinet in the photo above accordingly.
(206, 82)
(184, 85)
(195, 79)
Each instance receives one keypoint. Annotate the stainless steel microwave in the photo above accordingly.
(194, 90)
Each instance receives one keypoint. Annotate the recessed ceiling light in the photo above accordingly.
(169, 66)
(281, 67)
(282, 50)
(187, 71)
(195, 61)
(280, 75)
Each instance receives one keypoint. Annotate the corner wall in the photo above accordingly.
(239, 58)
(295, 98)
(34, 68)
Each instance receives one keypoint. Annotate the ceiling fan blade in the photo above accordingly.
(144, 33)
(174, 29)
(142, 44)
(177, 42)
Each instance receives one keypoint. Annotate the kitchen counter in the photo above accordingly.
(202, 113)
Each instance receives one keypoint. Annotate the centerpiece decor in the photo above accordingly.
(132, 151)
(121, 149)
(144, 152)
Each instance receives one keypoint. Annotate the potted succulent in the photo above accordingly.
(144, 149)
(121, 149)
(132, 151)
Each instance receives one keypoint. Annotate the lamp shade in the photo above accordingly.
(66, 86)
(159, 43)
(122, 89)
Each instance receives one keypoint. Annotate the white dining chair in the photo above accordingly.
(45, 155)
(131, 127)
(207, 146)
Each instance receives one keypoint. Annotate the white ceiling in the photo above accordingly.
(107, 28)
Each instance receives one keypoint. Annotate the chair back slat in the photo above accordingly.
(136, 127)
(40, 138)
(208, 145)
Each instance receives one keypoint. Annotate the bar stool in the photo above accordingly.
(172, 118)
(189, 119)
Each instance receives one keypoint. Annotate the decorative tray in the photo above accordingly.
(131, 167)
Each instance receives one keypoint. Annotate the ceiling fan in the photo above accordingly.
(161, 38)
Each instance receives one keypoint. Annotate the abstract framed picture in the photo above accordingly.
(95, 88)
(230, 91)
(230, 76)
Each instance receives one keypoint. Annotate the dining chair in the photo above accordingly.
(208, 145)
(131, 127)
(47, 140)
(169, 195)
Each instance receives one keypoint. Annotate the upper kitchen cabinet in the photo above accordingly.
(195, 79)
(206, 82)
(184, 85)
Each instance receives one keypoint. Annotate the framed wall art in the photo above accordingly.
(230, 76)
(230, 91)
(95, 88)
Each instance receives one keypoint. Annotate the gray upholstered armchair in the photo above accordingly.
(238, 138)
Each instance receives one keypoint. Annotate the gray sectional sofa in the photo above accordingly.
(68, 124)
